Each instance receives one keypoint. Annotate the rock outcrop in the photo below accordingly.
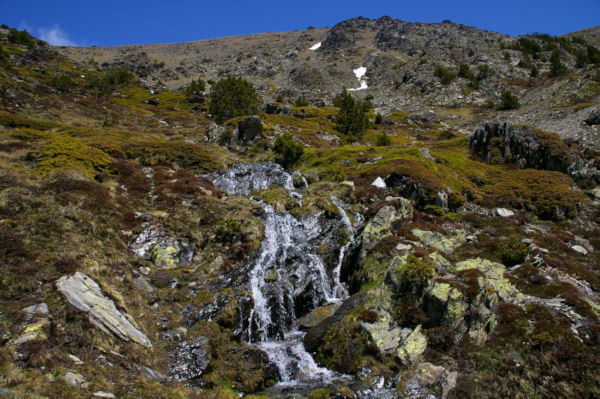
(86, 295)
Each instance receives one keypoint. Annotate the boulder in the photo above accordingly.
(189, 360)
(388, 219)
(379, 183)
(249, 129)
(593, 118)
(85, 294)
(314, 336)
(75, 379)
(170, 252)
(38, 308)
(385, 334)
(444, 243)
(275, 108)
(530, 148)
(505, 213)
(318, 315)
(413, 347)
(152, 374)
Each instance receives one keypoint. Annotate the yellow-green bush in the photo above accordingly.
(64, 152)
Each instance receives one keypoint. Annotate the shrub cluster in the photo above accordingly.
(232, 97)
(287, 151)
(509, 101)
(109, 80)
(446, 76)
(352, 117)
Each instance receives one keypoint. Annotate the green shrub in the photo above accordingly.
(509, 100)
(352, 117)
(64, 152)
(465, 72)
(383, 140)
(195, 90)
(232, 97)
(109, 80)
(413, 275)
(444, 74)
(301, 102)
(111, 120)
(227, 230)
(515, 253)
(14, 120)
(62, 82)
(21, 37)
(557, 68)
(378, 119)
(287, 151)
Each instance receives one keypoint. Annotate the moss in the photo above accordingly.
(321, 393)
(64, 152)
(548, 194)
(14, 120)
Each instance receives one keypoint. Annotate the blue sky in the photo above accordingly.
(110, 22)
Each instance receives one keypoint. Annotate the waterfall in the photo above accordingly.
(288, 278)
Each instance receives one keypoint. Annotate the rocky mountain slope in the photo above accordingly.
(400, 60)
(446, 251)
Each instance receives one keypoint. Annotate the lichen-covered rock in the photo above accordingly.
(441, 242)
(494, 278)
(85, 294)
(384, 333)
(414, 346)
(164, 251)
(36, 331)
(318, 315)
(387, 219)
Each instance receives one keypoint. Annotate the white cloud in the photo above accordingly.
(55, 36)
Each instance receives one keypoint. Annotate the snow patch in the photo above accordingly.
(360, 73)
(315, 47)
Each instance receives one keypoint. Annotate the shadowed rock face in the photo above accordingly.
(530, 148)
(85, 294)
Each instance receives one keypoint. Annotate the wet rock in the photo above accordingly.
(189, 360)
(318, 315)
(249, 129)
(243, 179)
(271, 276)
(314, 336)
(441, 242)
(85, 294)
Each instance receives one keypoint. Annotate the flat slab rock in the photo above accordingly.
(85, 294)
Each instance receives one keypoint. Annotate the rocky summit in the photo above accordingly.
(381, 209)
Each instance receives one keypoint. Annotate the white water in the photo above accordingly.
(301, 275)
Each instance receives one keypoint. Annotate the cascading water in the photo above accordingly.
(288, 278)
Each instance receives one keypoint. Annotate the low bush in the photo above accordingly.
(64, 152)
(509, 101)
(445, 75)
(287, 151)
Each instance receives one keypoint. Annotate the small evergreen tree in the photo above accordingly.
(231, 97)
(195, 90)
(383, 140)
(509, 100)
(287, 151)
(556, 66)
(301, 101)
(352, 118)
